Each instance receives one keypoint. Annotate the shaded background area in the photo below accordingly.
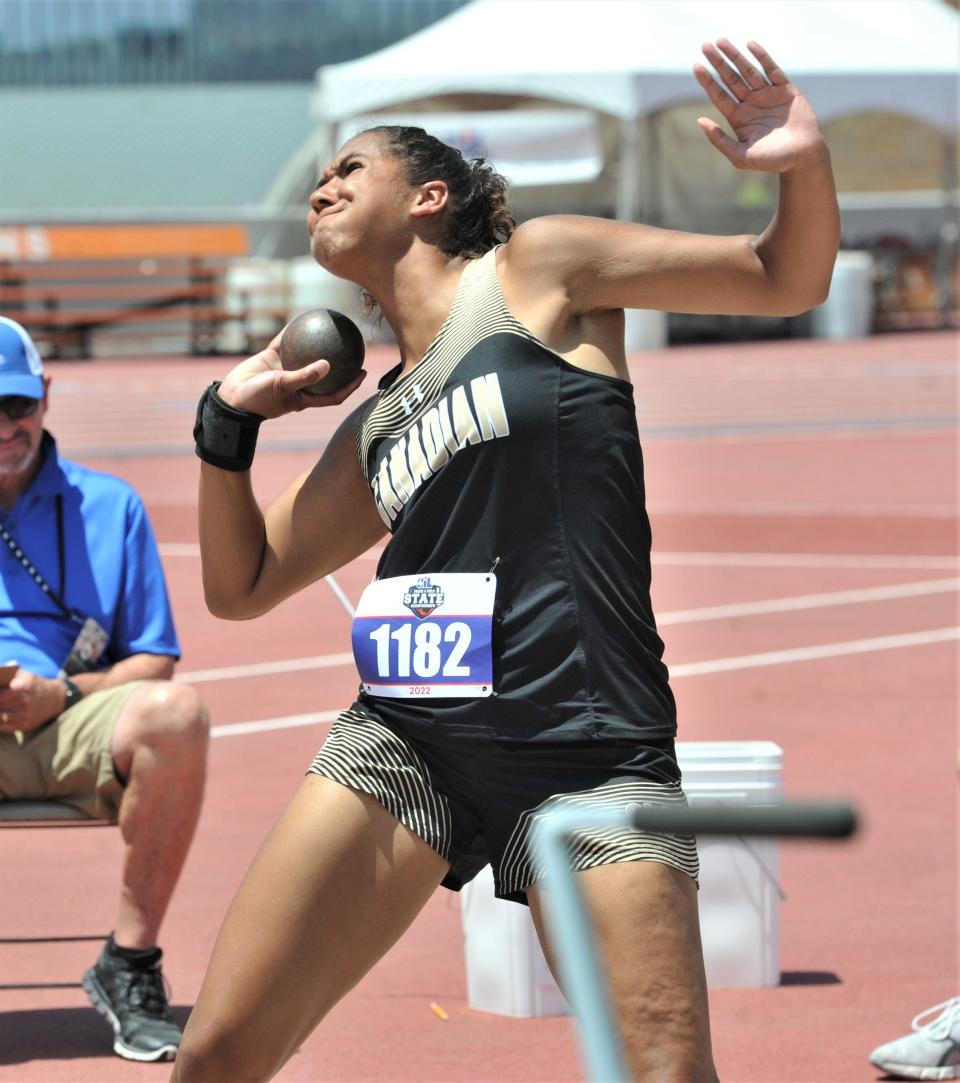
(192, 116)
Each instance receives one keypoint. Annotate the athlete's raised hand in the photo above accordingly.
(774, 124)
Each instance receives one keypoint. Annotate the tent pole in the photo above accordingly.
(949, 228)
(655, 169)
(626, 207)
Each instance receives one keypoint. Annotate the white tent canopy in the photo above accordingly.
(631, 58)
(532, 147)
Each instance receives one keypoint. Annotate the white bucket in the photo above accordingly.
(739, 894)
(256, 290)
(848, 310)
(312, 286)
(644, 329)
(739, 900)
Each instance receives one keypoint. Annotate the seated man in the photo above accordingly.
(91, 717)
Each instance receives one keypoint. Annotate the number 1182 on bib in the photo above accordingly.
(426, 636)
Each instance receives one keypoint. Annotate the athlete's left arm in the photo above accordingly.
(599, 264)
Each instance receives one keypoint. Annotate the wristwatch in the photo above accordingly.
(74, 695)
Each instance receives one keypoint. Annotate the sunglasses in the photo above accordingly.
(18, 406)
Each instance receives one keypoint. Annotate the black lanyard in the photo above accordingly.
(35, 575)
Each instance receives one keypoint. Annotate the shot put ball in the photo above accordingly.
(323, 333)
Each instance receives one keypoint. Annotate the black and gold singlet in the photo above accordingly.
(495, 452)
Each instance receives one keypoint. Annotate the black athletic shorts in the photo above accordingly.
(473, 801)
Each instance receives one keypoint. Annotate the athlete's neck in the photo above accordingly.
(417, 298)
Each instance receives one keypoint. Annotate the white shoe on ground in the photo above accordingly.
(932, 1051)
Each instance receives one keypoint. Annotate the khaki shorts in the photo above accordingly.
(69, 759)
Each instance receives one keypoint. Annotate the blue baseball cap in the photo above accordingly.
(21, 370)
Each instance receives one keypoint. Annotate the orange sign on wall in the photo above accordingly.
(42, 243)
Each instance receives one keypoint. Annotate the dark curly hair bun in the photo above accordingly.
(478, 216)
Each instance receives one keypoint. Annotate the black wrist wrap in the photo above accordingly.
(226, 437)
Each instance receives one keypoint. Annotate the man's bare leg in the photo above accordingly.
(159, 748)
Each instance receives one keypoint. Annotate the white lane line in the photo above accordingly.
(805, 560)
(235, 729)
(264, 669)
(678, 616)
(179, 549)
(809, 601)
(689, 669)
(809, 508)
(806, 654)
(192, 549)
(340, 596)
(694, 558)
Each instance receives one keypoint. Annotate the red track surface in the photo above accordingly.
(774, 470)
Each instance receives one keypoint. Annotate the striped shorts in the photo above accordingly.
(474, 801)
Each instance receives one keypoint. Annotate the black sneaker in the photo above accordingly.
(131, 996)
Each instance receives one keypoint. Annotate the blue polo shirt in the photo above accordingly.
(94, 528)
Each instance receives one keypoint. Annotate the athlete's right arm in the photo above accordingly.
(253, 559)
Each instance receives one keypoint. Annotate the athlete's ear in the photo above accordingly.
(430, 199)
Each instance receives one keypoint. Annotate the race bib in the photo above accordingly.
(419, 636)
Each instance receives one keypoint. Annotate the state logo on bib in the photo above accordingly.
(426, 635)
(423, 598)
